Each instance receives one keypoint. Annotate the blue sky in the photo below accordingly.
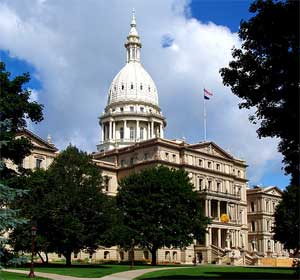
(73, 53)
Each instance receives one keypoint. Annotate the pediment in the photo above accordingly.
(273, 191)
(211, 148)
(36, 141)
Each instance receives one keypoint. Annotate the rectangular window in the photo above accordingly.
(218, 166)
(200, 184)
(75, 255)
(209, 185)
(218, 186)
(200, 162)
(38, 163)
(142, 109)
(146, 156)
(131, 108)
(209, 164)
(252, 206)
(132, 161)
(141, 133)
(131, 133)
(122, 162)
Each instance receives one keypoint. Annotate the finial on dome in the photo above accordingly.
(133, 23)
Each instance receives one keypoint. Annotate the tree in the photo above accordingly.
(265, 74)
(15, 109)
(287, 219)
(160, 209)
(70, 207)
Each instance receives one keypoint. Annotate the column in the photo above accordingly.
(148, 130)
(125, 131)
(207, 238)
(206, 208)
(110, 130)
(161, 131)
(218, 209)
(137, 131)
(114, 130)
(152, 129)
(102, 133)
(219, 237)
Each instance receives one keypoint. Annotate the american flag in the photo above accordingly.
(207, 94)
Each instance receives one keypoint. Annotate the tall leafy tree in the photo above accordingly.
(265, 74)
(15, 109)
(75, 204)
(160, 209)
(287, 219)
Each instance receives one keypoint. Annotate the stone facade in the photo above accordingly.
(261, 203)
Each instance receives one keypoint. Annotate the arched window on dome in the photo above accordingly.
(121, 132)
(131, 86)
(149, 88)
(141, 87)
(122, 87)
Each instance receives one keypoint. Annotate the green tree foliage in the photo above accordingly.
(287, 219)
(67, 205)
(160, 209)
(16, 107)
(265, 74)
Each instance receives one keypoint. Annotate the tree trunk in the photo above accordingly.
(47, 257)
(41, 257)
(67, 255)
(153, 253)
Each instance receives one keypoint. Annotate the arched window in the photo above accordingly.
(121, 132)
(106, 255)
(167, 256)
(253, 226)
(174, 256)
(146, 255)
(131, 86)
(141, 133)
(122, 87)
(141, 86)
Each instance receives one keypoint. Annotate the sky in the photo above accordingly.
(73, 49)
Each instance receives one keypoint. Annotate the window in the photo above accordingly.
(167, 156)
(122, 87)
(252, 206)
(146, 255)
(122, 162)
(106, 183)
(209, 164)
(200, 183)
(218, 186)
(142, 109)
(146, 156)
(75, 255)
(174, 158)
(115, 88)
(218, 166)
(209, 185)
(106, 255)
(131, 108)
(38, 163)
(149, 88)
(200, 162)
(121, 132)
(253, 226)
(167, 256)
(239, 173)
(122, 109)
(59, 255)
(141, 133)
(131, 86)
(141, 86)
(174, 256)
(90, 255)
(131, 133)
(131, 161)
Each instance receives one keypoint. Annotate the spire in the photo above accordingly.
(133, 44)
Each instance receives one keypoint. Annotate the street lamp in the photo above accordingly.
(33, 234)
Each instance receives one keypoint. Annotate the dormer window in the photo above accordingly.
(131, 86)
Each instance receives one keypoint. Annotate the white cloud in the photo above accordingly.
(77, 48)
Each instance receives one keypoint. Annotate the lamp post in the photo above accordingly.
(33, 234)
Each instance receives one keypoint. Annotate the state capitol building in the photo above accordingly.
(132, 138)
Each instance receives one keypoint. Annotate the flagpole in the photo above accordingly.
(204, 118)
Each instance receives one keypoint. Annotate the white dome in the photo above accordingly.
(133, 83)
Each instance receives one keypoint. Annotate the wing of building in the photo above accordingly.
(132, 138)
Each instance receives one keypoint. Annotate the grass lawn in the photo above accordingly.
(16, 276)
(82, 270)
(221, 272)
